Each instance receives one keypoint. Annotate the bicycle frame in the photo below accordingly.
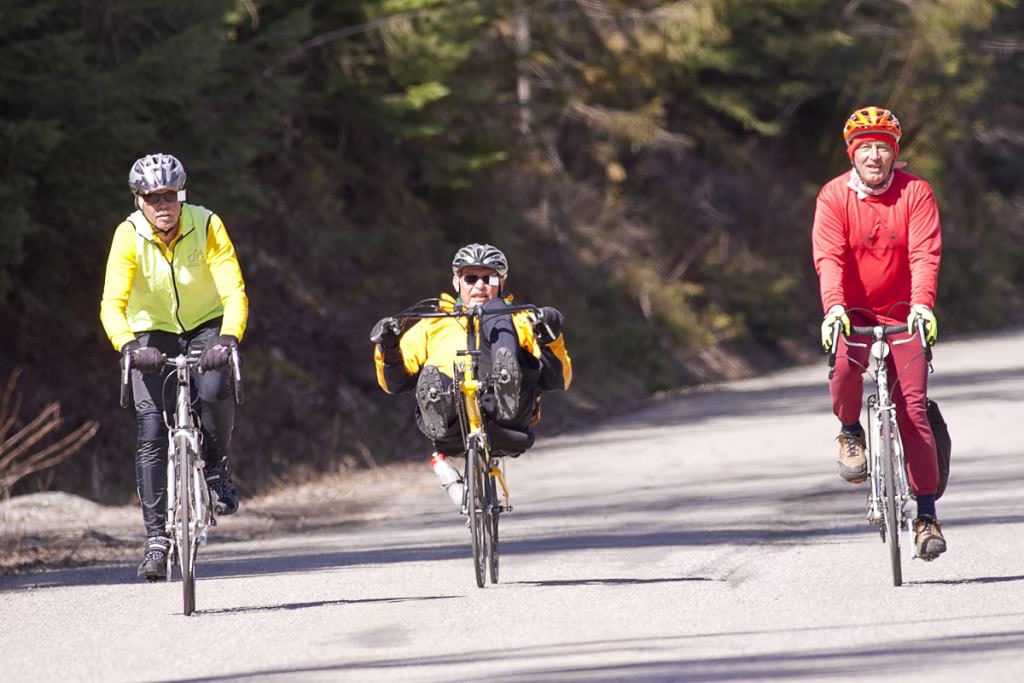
(468, 386)
(882, 410)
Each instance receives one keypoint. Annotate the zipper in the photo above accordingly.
(174, 280)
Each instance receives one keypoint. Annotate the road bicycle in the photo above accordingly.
(889, 490)
(190, 514)
(486, 495)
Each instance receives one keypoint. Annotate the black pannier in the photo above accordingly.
(943, 444)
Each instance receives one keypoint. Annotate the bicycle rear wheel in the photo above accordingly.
(491, 526)
(476, 502)
(890, 484)
(186, 554)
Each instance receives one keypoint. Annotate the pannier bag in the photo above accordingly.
(943, 444)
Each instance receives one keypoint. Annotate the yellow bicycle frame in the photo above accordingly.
(470, 389)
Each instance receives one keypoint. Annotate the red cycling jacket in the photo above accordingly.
(875, 252)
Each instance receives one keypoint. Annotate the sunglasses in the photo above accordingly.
(471, 279)
(165, 197)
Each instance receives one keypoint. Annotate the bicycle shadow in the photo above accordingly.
(966, 582)
(610, 582)
(288, 606)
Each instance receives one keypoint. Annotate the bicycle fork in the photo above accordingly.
(181, 440)
(875, 513)
(498, 472)
(493, 467)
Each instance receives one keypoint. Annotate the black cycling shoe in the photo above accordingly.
(430, 397)
(222, 490)
(154, 563)
(506, 377)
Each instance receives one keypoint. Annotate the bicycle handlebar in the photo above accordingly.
(471, 312)
(869, 330)
(475, 312)
(877, 333)
(234, 363)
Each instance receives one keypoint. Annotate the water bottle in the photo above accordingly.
(451, 481)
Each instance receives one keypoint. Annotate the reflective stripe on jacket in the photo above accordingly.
(176, 287)
(436, 341)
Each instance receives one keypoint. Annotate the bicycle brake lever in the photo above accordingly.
(236, 363)
(924, 344)
(831, 352)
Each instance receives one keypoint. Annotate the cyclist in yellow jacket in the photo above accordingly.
(173, 285)
(521, 358)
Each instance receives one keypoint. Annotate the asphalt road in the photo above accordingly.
(706, 537)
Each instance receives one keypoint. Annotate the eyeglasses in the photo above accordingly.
(471, 279)
(157, 197)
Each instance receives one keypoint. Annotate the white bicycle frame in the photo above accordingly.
(184, 437)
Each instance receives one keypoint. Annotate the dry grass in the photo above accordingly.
(22, 452)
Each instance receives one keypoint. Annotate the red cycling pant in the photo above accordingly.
(908, 384)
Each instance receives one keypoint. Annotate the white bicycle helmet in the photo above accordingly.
(155, 172)
(483, 255)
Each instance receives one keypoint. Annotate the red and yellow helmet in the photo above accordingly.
(872, 120)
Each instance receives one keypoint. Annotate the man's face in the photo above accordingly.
(162, 209)
(473, 283)
(873, 161)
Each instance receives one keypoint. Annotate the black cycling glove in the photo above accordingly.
(550, 324)
(216, 357)
(145, 359)
(386, 332)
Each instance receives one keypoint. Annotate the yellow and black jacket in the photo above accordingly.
(435, 341)
(175, 287)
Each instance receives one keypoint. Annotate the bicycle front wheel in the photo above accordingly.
(491, 526)
(186, 553)
(476, 502)
(890, 486)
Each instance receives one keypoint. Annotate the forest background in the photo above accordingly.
(649, 167)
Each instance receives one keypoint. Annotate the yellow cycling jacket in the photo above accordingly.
(435, 341)
(176, 287)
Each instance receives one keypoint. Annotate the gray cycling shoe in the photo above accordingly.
(432, 400)
(506, 377)
(154, 563)
(853, 462)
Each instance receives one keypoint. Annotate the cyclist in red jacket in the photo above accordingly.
(877, 245)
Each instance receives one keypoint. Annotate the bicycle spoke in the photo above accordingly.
(477, 512)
